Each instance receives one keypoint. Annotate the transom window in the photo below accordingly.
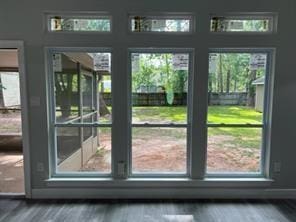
(79, 23)
(158, 24)
(243, 23)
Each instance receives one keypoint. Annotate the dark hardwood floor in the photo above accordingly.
(19, 210)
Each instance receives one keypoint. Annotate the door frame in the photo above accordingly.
(19, 45)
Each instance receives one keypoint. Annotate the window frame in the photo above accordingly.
(187, 125)
(53, 125)
(266, 119)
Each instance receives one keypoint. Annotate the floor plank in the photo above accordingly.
(17, 209)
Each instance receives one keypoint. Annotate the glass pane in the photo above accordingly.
(59, 23)
(156, 24)
(159, 150)
(92, 154)
(236, 87)
(159, 87)
(68, 147)
(234, 150)
(101, 159)
(82, 86)
(224, 24)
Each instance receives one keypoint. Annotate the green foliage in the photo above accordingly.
(102, 25)
(236, 65)
(156, 70)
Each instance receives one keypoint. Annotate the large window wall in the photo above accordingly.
(177, 109)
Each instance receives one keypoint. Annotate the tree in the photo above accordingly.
(157, 70)
(251, 88)
(103, 109)
(64, 92)
(1, 94)
(220, 75)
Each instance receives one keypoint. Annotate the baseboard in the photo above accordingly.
(162, 193)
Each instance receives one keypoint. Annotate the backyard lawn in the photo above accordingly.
(244, 137)
(229, 149)
(217, 114)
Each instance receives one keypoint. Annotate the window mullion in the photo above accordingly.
(120, 129)
(198, 138)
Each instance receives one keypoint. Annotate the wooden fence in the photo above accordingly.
(159, 99)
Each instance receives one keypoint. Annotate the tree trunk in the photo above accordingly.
(103, 109)
(234, 85)
(220, 74)
(228, 81)
(251, 89)
(1, 94)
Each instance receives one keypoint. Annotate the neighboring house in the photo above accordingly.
(10, 90)
(259, 99)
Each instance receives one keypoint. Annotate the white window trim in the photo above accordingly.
(187, 125)
(49, 51)
(266, 121)
(120, 87)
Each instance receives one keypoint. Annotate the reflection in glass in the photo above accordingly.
(154, 24)
(59, 24)
(224, 24)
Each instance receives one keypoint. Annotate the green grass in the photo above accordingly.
(216, 114)
(239, 137)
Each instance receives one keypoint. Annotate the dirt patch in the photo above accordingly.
(162, 153)
(11, 172)
(224, 156)
(10, 122)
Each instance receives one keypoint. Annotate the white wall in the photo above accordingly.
(24, 20)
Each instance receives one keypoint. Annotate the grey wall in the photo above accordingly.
(24, 20)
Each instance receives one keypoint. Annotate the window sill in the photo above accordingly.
(160, 182)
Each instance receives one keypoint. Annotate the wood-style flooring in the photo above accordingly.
(19, 210)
